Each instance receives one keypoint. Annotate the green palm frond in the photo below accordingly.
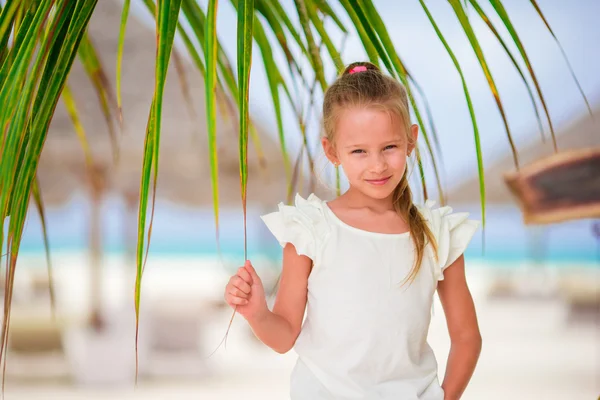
(541, 14)
(166, 25)
(96, 72)
(38, 78)
(122, 30)
(480, 169)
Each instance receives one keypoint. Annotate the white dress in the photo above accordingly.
(364, 335)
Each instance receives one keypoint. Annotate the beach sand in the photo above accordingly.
(531, 349)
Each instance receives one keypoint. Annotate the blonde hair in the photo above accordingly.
(369, 87)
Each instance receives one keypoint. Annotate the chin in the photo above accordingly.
(379, 193)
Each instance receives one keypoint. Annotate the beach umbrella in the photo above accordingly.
(184, 172)
(576, 162)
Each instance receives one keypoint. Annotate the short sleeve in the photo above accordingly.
(301, 225)
(453, 232)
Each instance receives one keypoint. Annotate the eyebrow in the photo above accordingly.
(383, 144)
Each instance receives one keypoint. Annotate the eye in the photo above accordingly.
(357, 151)
(391, 146)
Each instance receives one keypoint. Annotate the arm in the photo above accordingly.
(463, 329)
(279, 328)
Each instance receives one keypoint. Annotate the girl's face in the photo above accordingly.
(372, 147)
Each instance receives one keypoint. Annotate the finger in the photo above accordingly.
(241, 284)
(251, 270)
(245, 275)
(238, 293)
(236, 301)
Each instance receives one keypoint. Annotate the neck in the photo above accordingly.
(356, 198)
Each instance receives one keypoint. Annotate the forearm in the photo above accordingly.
(274, 331)
(461, 364)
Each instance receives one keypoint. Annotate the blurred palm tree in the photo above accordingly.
(40, 39)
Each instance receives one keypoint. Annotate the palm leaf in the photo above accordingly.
(13, 74)
(39, 205)
(210, 58)
(244, 61)
(315, 54)
(166, 25)
(122, 30)
(272, 19)
(245, 29)
(513, 33)
(493, 29)
(318, 24)
(468, 29)
(480, 168)
(198, 29)
(71, 106)
(421, 173)
(272, 13)
(368, 35)
(185, 87)
(541, 14)
(326, 9)
(429, 115)
(12, 119)
(274, 79)
(56, 59)
(201, 24)
(93, 67)
(7, 15)
(295, 176)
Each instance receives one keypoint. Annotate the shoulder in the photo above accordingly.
(452, 231)
(303, 224)
(443, 217)
(307, 212)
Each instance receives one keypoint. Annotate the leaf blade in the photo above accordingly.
(244, 60)
(121, 45)
(166, 25)
(478, 151)
(541, 14)
(466, 25)
(210, 58)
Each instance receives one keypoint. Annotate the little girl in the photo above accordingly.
(365, 266)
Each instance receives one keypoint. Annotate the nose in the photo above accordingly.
(379, 164)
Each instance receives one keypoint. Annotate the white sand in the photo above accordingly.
(530, 349)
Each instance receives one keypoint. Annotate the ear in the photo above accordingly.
(329, 151)
(414, 133)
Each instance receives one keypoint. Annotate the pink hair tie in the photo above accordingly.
(358, 68)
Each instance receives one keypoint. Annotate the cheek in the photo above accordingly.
(396, 161)
(354, 165)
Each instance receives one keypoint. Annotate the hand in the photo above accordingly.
(245, 292)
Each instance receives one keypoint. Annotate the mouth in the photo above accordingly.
(378, 182)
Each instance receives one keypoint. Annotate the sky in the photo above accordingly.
(574, 23)
(576, 27)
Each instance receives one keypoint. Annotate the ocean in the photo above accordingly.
(181, 231)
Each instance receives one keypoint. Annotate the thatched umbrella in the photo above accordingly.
(580, 134)
(184, 170)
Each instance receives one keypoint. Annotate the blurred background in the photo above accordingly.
(536, 287)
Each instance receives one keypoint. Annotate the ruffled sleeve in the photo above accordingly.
(453, 232)
(302, 225)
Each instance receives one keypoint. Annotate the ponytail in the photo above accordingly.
(419, 230)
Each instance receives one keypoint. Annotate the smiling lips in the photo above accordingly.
(378, 182)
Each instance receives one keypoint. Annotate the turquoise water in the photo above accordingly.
(180, 231)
